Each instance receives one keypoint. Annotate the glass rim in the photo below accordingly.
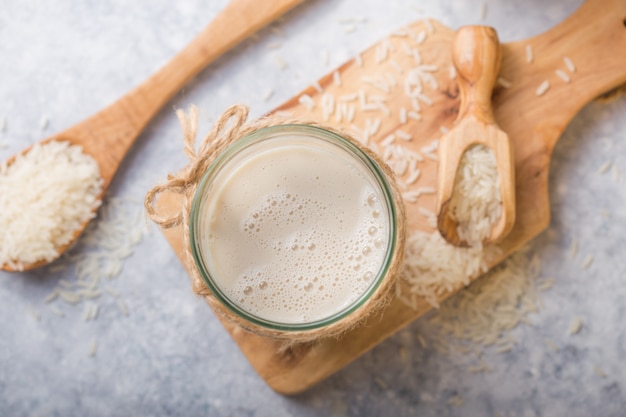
(269, 132)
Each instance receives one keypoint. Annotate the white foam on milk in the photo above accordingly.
(297, 231)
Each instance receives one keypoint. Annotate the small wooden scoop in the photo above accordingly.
(108, 135)
(476, 57)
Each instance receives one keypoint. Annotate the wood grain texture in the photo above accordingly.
(476, 56)
(594, 37)
(108, 135)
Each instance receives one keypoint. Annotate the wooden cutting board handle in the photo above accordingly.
(594, 38)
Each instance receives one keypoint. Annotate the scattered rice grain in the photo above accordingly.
(325, 57)
(575, 326)
(51, 297)
(504, 82)
(403, 116)
(553, 346)
(56, 310)
(307, 101)
(452, 72)
(34, 313)
(280, 62)
(274, 45)
(543, 87)
(587, 262)
(574, 248)
(429, 26)
(617, 177)
(605, 167)
(563, 75)
(277, 31)
(123, 307)
(529, 54)
(569, 64)
(414, 115)
(45, 121)
(337, 78)
(404, 135)
(93, 347)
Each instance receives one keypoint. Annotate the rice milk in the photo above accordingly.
(296, 229)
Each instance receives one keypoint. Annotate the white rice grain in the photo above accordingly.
(57, 311)
(530, 56)
(277, 31)
(504, 82)
(325, 57)
(615, 173)
(563, 75)
(274, 45)
(51, 297)
(307, 101)
(396, 66)
(123, 307)
(404, 135)
(414, 116)
(112, 292)
(280, 62)
(403, 116)
(44, 122)
(574, 248)
(93, 347)
(452, 72)
(575, 326)
(429, 26)
(569, 64)
(604, 167)
(543, 87)
(388, 140)
(34, 314)
(337, 78)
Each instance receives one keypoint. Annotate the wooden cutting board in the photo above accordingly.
(594, 38)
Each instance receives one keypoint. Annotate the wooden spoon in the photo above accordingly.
(476, 57)
(108, 135)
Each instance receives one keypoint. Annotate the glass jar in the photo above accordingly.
(260, 218)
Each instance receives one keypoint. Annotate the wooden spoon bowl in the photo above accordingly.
(476, 57)
(108, 135)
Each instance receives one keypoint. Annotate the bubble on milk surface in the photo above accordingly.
(311, 277)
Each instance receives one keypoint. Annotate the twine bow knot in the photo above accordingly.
(227, 128)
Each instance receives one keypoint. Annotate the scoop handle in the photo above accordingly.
(476, 56)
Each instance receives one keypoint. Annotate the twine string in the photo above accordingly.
(225, 129)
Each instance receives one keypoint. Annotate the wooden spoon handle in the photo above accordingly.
(112, 131)
(476, 57)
